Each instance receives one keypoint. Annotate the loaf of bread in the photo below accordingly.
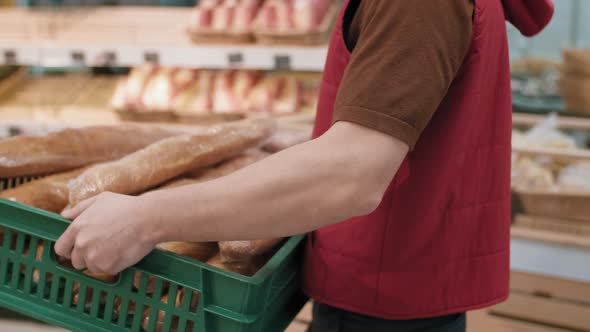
(223, 169)
(168, 159)
(246, 268)
(201, 251)
(243, 251)
(229, 166)
(71, 148)
(180, 298)
(49, 193)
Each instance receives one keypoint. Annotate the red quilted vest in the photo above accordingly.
(439, 241)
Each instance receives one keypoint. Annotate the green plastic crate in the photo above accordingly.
(14, 182)
(227, 302)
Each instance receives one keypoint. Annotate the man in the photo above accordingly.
(412, 151)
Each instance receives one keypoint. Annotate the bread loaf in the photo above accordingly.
(229, 166)
(201, 251)
(247, 268)
(243, 251)
(225, 168)
(167, 159)
(49, 193)
(71, 148)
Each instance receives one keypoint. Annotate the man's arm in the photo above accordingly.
(342, 174)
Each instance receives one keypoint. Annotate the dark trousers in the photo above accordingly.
(330, 319)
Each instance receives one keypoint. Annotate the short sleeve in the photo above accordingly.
(406, 55)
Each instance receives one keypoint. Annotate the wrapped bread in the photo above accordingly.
(245, 14)
(160, 316)
(71, 148)
(165, 86)
(167, 159)
(119, 98)
(575, 177)
(248, 268)
(289, 96)
(309, 14)
(197, 98)
(137, 81)
(244, 251)
(528, 174)
(49, 193)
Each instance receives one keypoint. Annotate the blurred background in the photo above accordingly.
(69, 63)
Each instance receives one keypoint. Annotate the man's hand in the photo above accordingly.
(110, 232)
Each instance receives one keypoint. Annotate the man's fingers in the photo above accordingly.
(73, 212)
(65, 243)
(78, 261)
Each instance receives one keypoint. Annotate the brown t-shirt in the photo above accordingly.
(405, 55)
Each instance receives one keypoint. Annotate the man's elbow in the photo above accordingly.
(366, 198)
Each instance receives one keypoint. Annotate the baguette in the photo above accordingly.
(228, 167)
(225, 168)
(201, 251)
(167, 159)
(72, 148)
(49, 193)
(243, 251)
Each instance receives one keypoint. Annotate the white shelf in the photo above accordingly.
(551, 259)
(209, 56)
(129, 36)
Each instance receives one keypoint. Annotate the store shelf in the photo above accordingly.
(129, 36)
(208, 56)
(550, 254)
(564, 122)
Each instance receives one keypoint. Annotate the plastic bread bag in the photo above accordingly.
(575, 177)
(168, 159)
(547, 134)
(529, 174)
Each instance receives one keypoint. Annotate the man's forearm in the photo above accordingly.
(295, 191)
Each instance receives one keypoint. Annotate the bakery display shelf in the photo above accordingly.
(129, 36)
(564, 121)
(227, 302)
(550, 253)
(561, 154)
